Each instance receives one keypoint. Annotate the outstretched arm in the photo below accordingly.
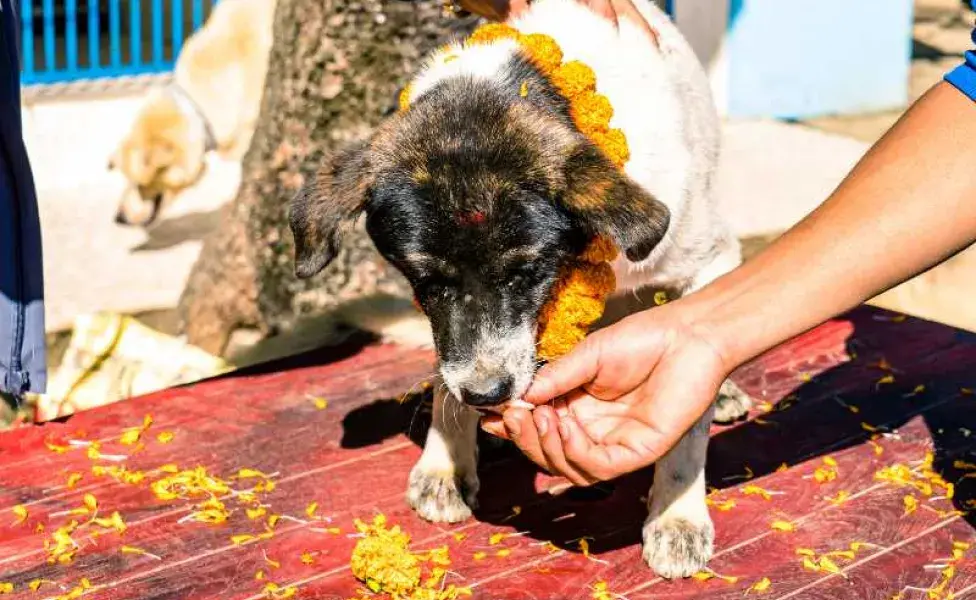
(909, 204)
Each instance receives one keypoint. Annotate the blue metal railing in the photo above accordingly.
(71, 40)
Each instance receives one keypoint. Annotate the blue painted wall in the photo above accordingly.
(801, 58)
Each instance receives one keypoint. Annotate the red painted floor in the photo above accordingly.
(821, 398)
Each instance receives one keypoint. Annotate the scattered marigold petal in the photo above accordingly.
(479, 555)
(113, 521)
(721, 505)
(35, 584)
(460, 536)
(755, 490)
(243, 538)
(90, 502)
(56, 448)
(496, 538)
(307, 558)
(805, 552)
(760, 586)
(840, 498)
(20, 511)
(878, 449)
(503, 552)
(6, 587)
(73, 480)
(310, 509)
(783, 525)
(259, 575)
(524, 89)
(250, 474)
(255, 513)
(130, 436)
(889, 378)
(828, 565)
(165, 437)
(320, 403)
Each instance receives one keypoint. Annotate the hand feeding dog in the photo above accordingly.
(498, 174)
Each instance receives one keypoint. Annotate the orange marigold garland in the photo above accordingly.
(579, 296)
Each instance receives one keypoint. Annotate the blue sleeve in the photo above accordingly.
(963, 77)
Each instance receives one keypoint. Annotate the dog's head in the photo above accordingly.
(478, 198)
(163, 154)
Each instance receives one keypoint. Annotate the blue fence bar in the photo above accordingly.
(93, 35)
(177, 26)
(198, 13)
(135, 32)
(71, 33)
(95, 39)
(27, 36)
(115, 35)
(157, 32)
(48, 21)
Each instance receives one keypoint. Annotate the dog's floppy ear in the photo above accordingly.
(321, 212)
(607, 201)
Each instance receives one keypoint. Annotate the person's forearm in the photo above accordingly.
(909, 204)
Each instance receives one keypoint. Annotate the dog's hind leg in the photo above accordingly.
(678, 533)
(444, 483)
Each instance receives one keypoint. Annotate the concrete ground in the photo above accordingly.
(773, 173)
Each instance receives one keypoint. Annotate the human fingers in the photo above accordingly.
(524, 432)
(552, 446)
(625, 9)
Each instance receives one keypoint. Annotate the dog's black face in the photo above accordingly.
(481, 266)
(479, 196)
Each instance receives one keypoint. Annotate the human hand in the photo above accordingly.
(613, 10)
(623, 397)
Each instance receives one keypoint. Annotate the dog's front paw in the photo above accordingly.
(442, 497)
(731, 404)
(676, 547)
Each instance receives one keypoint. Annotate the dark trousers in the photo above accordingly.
(23, 364)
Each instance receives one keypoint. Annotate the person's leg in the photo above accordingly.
(22, 355)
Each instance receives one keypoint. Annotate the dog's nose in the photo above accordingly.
(120, 218)
(498, 391)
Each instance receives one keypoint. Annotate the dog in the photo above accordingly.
(484, 188)
(212, 105)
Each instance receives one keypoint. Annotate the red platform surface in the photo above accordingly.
(823, 394)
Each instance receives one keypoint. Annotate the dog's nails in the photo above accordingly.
(520, 404)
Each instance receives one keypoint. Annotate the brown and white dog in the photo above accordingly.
(479, 193)
(211, 105)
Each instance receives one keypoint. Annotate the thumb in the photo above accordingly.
(574, 370)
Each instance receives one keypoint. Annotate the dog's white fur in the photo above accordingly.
(213, 104)
(662, 102)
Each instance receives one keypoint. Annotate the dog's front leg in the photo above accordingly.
(444, 483)
(678, 533)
